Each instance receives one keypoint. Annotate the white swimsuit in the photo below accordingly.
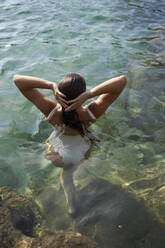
(64, 149)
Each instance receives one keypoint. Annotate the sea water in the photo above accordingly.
(100, 40)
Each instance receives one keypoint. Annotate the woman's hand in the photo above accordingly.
(77, 102)
(60, 97)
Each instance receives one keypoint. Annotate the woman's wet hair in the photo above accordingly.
(73, 85)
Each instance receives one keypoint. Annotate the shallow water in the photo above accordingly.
(99, 39)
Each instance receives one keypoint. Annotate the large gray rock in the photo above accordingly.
(117, 218)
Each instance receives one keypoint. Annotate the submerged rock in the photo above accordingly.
(18, 216)
(62, 240)
(20, 225)
(8, 234)
(114, 218)
(58, 240)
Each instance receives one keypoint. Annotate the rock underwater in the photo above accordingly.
(107, 213)
(58, 240)
(20, 225)
(114, 218)
(19, 216)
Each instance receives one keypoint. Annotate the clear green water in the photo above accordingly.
(99, 39)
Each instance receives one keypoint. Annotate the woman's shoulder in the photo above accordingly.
(86, 116)
(90, 113)
(55, 115)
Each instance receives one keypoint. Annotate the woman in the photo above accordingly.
(70, 142)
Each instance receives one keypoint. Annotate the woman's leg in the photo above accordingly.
(66, 180)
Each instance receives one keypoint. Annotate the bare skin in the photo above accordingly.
(106, 92)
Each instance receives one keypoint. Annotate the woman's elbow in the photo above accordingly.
(16, 79)
(123, 80)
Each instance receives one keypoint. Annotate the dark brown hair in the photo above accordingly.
(72, 85)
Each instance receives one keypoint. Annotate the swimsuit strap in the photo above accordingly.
(90, 113)
(52, 112)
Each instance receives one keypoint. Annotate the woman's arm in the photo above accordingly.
(28, 87)
(107, 91)
(25, 83)
(112, 86)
